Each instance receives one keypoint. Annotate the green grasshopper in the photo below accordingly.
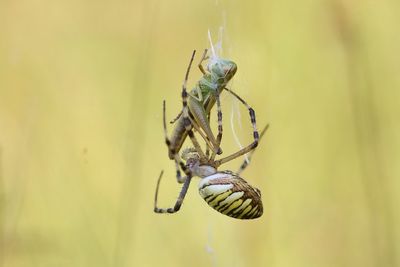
(200, 101)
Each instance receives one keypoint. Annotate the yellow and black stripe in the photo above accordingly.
(231, 195)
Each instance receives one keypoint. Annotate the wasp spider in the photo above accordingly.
(225, 191)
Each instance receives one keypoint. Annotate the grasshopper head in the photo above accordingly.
(222, 69)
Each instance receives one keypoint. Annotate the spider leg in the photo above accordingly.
(178, 202)
(247, 162)
(256, 137)
(219, 116)
(208, 147)
(176, 118)
(185, 112)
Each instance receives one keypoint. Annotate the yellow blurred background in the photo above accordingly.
(81, 141)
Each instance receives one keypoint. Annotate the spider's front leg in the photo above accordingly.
(256, 136)
(178, 202)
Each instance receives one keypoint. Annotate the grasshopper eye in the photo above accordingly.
(226, 69)
(230, 70)
(222, 68)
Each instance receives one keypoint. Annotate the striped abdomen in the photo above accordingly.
(231, 195)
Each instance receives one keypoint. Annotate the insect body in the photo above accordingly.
(224, 191)
(200, 101)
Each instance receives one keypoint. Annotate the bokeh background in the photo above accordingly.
(81, 141)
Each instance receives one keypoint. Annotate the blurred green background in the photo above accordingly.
(81, 141)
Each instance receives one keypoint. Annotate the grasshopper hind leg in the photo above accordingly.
(178, 202)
